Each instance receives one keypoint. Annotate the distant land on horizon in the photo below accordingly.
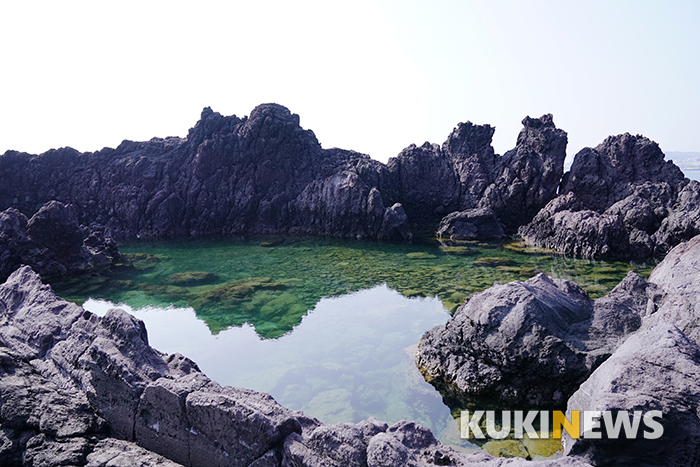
(685, 160)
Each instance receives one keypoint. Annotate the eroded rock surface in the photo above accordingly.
(635, 349)
(265, 174)
(53, 242)
(520, 343)
(621, 199)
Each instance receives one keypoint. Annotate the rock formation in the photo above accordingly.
(53, 242)
(472, 224)
(543, 342)
(264, 174)
(620, 199)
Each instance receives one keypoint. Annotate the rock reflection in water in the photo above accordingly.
(352, 357)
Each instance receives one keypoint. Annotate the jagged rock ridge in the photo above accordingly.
(620, 199)
(264, 174)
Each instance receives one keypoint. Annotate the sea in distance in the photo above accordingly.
(325, 326)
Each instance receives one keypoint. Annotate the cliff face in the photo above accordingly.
(265, 174)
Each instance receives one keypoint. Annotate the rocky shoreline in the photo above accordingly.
(544, 344)
(79, 389)
(265, 174)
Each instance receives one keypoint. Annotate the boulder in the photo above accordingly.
(657, 368)
(565, 226)
(473, 224)
(520, 344)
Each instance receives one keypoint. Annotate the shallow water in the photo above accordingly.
(325, 326)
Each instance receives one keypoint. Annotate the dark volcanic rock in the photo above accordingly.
(472, 224)
(530, 343)
(678, 280)
(683, 221)
(466, 174)
(256, 175)
(492, 348)
(426, 182)
(657, 368)
(78, 389)
(265, 174)
(52, 242)
(624, 177)
(601, 176)
(529, 175)
(565, 226)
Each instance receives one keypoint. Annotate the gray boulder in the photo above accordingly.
(520, 343)
(530, 343)
(565, 226)
(473, 224)
(657, 368)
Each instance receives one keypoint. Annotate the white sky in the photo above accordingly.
(373, 76)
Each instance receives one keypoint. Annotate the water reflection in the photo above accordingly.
(351, 357)
(272, 285)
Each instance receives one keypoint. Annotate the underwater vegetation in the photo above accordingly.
(272, 284)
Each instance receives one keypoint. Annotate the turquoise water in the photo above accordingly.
(325, 326)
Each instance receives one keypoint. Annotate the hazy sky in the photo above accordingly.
(373, 76)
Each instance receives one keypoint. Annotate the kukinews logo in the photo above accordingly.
(582, 424)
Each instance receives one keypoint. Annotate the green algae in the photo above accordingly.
(272, 283)
(506, 448)
(420, 255)
(193, 278)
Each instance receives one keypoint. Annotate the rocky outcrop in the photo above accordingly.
(528, 176)
(473, 224)
(630, 203)
(53, 242)
(636, 349)
(265, 174)
(256, 175)
(79, 389)
(657, 368)
(466, 174)
(565, 226)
